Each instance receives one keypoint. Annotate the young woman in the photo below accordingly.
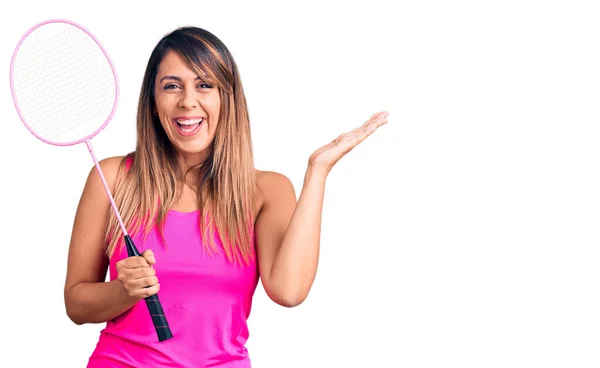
(210, 224)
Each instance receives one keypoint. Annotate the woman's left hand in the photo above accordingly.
(327, 156)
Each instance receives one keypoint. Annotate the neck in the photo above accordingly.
(188, 161)
(190, 164)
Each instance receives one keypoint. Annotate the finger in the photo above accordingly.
(135, 262)
(148, 255)
(382, 116)
(131, 262)
(142, 283)
(375, 119)
(376, 116)
(368, 129)
(353, 132)
(376, 124)
(129, 275)
(141, 272)
(358, 136)
(372, 124)
(146, 292)
(361, 136)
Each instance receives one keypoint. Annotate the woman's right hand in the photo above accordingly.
(137, 275)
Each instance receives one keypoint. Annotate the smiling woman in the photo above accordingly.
(180, 91)
(210, 224)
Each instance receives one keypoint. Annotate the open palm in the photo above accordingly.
(325, 157)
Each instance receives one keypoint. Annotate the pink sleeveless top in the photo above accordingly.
(206, 299)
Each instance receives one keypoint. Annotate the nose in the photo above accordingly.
(188, 99)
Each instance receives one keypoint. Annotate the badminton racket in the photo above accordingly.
(65, 90)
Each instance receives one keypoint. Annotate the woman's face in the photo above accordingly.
(187, 106)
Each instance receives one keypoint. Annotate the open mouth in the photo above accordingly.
(188, 125)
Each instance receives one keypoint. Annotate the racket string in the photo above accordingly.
(59, 96)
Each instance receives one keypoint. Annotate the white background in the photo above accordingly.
(462, 234)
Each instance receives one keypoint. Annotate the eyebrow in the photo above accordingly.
(175, 78)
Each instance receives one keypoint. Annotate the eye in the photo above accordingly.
(204, 85)
(170, 86)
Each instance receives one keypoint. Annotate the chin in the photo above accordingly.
(192, 149)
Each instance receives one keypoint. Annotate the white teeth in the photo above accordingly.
(190, 122)
(186, 129)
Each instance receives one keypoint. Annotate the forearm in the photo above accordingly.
(97, 302)
(295, 265)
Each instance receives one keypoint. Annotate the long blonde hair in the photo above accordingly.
(146, 191)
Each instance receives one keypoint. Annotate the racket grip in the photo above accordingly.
(158, 318)
(163, 331)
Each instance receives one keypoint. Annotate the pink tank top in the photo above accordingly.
(206, 299)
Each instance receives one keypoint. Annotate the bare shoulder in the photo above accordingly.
(273, 185)
(269, 181)
(111, 168)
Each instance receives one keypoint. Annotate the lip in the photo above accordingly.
(187, 134)
(187, 118)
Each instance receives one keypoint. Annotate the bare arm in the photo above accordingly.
(88, 298)
(288, 237)
(288, 233)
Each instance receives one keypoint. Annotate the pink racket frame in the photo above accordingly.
(107, 58)
(88, 138)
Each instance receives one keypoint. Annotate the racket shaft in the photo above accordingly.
(156, 311)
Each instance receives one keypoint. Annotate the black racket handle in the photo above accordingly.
(152, 302)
